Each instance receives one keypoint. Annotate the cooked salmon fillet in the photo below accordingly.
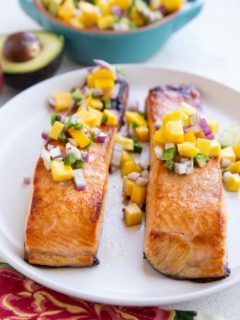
(185, 236)
(64, 225)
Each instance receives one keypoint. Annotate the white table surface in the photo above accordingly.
(208, 46)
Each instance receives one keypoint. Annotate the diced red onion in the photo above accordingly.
(114, 93)
(63, 119)
(116, 10)
(141, 181)
(26, 180)
(72, 149)
(205, 129)
(50, 146)
(134, 106)
(51, 102)
(79, 180)
(145, 174)
(46, 157)
(117, 155)
(180, 168)
(158, 152)
(133, 176)
(101, 137)
(225, 162)
(85, 156)
(193, 128)
(226, 176)
(104, 64)
(45, 135)
(158, 124)
(120, 77)
(97, 92)
(55, 152)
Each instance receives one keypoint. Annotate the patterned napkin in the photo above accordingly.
(21, 298)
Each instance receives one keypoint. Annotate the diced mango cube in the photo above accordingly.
(142, 134)
(132, 215)
(111, 118)
(87, 117)
(135, 117)
(214, 126)
(236, 150)
(130, 166)
(158, 137)
(228, 153)
(137, 17)
(62, 100)
(104, 84)
(189, 137)
(127, 186)
(187, 108)
(98, 114)
(235, 167)
(173, 116)
(106, 22)
(215, 149)
(80, 137)
(65, 13)
(233, 183)
(60, 171)
(126, 157)
(138, 194)
(127, 143)
(89, 14)
(104, 6)
(91, 80)
(173, 132)
(104, 74)
(94, 103)
(204, 146)
(187, 149)
(56, 129)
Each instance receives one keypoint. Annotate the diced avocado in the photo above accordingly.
(201, 160)
(169, 165)
(169, 154)
(24, 74)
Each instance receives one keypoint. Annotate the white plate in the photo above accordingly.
(123, 276)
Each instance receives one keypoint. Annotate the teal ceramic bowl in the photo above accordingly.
(115, 47)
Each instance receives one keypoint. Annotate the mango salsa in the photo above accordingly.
(158, 137)
(126, 157)
(110, 117)
(233, 183)
(94, 103)
(60, 171)
(89, 14)
(62, 100)
(187, 108)
(138, 194)
(235, 167)
(236, 150)
(106, 22)
(189, 137)
(130, 166)
(204, 146)
(187, 149)
(127, 186)
(135, 117)
(173, 132)
(228, 153)
(214, 126)
(173, 116)
(56, 129)
(127, 143)
(132, 215)
(80, 137)
(88, 117)
(215, 149)
(142, 134)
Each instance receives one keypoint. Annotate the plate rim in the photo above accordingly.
(105, 299)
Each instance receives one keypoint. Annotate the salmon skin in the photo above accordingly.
(63, 225)
(185, 235)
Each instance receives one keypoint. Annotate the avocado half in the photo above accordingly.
(21, 75)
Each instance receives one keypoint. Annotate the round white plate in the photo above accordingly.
(123, 276)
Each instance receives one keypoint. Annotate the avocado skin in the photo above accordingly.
(25, 80)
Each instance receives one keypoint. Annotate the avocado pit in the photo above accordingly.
(21, 47)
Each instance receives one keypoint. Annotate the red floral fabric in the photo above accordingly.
(21, 298)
